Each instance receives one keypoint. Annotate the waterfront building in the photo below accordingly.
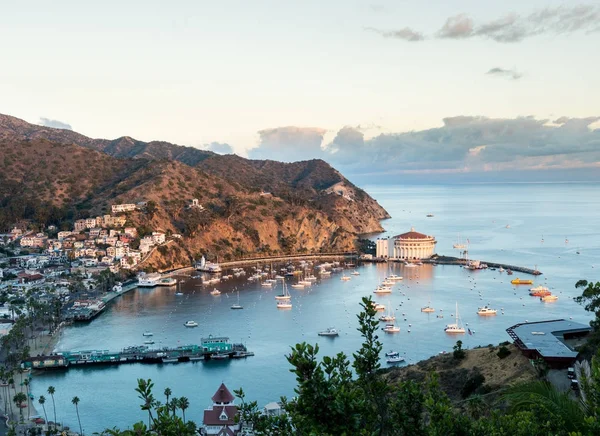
(383, 248)
(220, 418)
(553, 341)
(413, 245)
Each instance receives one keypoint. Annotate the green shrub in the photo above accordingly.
(503, 352)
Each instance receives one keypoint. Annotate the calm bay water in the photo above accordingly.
(552, 212)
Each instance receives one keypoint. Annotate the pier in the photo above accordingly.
(450, 260)
(211, 348)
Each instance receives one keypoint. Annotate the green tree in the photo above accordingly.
(75, 401)
(184, 403)
(19, 399)
(590, 299)
(458, 352)
(42, 401)
(51, 392)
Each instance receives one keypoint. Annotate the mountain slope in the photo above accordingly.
(250, 206)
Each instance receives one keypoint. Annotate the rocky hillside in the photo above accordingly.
(54, 176)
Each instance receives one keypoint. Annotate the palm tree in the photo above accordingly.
(75, 401)
(42, 401)
(168, 394)
(19, 399)
(174, 405)
(26, 383)
(51, 391)
(183, 404)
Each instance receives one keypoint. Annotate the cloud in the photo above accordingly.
(501, 72)
(463, 144)
(220, 148)
(47, 122)
(512, 27)
(459, 26)
(289, 144)
(407, 34)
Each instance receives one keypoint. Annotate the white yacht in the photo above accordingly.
(457, 326)
(147, 333)
(297, 286)
(486, 311)
(382, 289)
(395, 359)
(392, 354)
(191, 324)
(387, 282)
(329, 332)
(394, 278)
(215, 292)
(391, 328)
(284, 304)
(148, 280)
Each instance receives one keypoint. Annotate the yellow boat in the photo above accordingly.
(518, 281)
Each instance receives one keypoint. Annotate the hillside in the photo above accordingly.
(250, 207)
(456, 375)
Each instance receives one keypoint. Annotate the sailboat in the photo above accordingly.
(285, 295)
(459, 245)
(391, 327)
(389, 316)
(457, 327)
(284, 301)
(237, 305)
(178, 293)
(344, 277)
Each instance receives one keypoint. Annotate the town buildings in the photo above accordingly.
(407, 246)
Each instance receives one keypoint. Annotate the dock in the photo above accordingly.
(450, 260)
(211, 348)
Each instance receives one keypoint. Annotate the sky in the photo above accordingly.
(395, 88)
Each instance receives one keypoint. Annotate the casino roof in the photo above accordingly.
(546, 337)
(412, 235)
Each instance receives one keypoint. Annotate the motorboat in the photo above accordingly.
(379, 307)
(178, 294)
(215, 292)
(486, 311)
(219, 356)
(383, 290)
(539, 292)
(147, 333)
(538, 289)
(387, 282)
(501, 269)
(267, 284)
(345, 278)
(395, 359)
(355, 273)
(295, 286)
(387, 318)
(429, 215)
(394, 277)
(409, 265)
(149, 342)
(391, 328)
(392, 354)
(191, 324)
(548, 298)
(427, 309)
(329, 332)
(457, 326)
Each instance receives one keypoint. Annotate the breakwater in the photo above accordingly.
(449, 260)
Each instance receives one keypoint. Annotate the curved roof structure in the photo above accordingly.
(412, 235)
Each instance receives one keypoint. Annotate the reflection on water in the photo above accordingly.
(479, 213)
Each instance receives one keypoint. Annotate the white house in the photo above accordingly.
(127, 207)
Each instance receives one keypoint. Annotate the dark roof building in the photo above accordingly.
(220, 419)
(549, 340)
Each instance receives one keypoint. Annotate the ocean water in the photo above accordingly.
(541, 218)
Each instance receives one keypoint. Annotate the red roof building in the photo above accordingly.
(413, 245)
(220, 419)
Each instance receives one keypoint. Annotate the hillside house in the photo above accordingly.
(127, 207)
(220, 418)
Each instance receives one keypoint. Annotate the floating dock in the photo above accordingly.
(212, 348)
(449, 260)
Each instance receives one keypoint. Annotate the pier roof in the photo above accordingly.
(546, 337)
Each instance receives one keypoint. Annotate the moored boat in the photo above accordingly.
(395, 359)
(457, 326)
(330, 331)
(191, 324)
(519, 281)
(486, 311)
(548, 298)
